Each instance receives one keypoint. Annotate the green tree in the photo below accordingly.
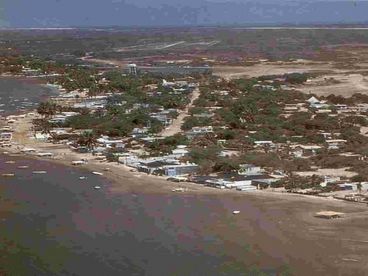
(42, 125)
(88, 139)
(359, 187)
(47, 109)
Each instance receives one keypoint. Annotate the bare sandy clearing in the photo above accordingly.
(332, 80)
(271, 68)
(329, 172)
(346, 85)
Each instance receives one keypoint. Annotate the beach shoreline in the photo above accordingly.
(138, 181)
(267, 219)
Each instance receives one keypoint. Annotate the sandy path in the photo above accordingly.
(175, 127)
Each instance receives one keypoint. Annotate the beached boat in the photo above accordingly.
(39, 172)
(28, 150)
(45, 154)
(97, 173)
(178, 190)
(236, 212)
(329, 214)
(8, 174)
(78, 162)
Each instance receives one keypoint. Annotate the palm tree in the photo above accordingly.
(359, 187)
(114, 111)
(47, 109)
(88, 139)
(42, 125)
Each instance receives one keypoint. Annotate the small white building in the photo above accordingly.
(42, 136)
(106, 141)
(180, 151)
(306, 150)
(250, 169)
(335, 143)
(264, 144)
(6, 136)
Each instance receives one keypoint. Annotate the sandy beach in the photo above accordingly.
(141, 182)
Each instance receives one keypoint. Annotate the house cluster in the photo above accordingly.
(343, 189)
(169, 165)
(322, 106)
(62, 117)
(247, 178)
(36, 73)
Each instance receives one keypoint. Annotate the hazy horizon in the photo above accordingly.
(160, 13)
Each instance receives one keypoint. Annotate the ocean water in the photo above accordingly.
(17, 95)
(57, 224)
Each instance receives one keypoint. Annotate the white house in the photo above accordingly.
(250, 169)
(6, 136)
(302, 150)
(180, 169)
(264, 144)
(313, 100)
(180, 151)
(108, 142)
(335, 143)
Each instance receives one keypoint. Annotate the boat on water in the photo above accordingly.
(10, 162)
(23, 167)
(236, 212)
(82, 177)
(39, 172)
(97, 187)
(97, 173)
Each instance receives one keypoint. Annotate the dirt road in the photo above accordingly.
(175, 127)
